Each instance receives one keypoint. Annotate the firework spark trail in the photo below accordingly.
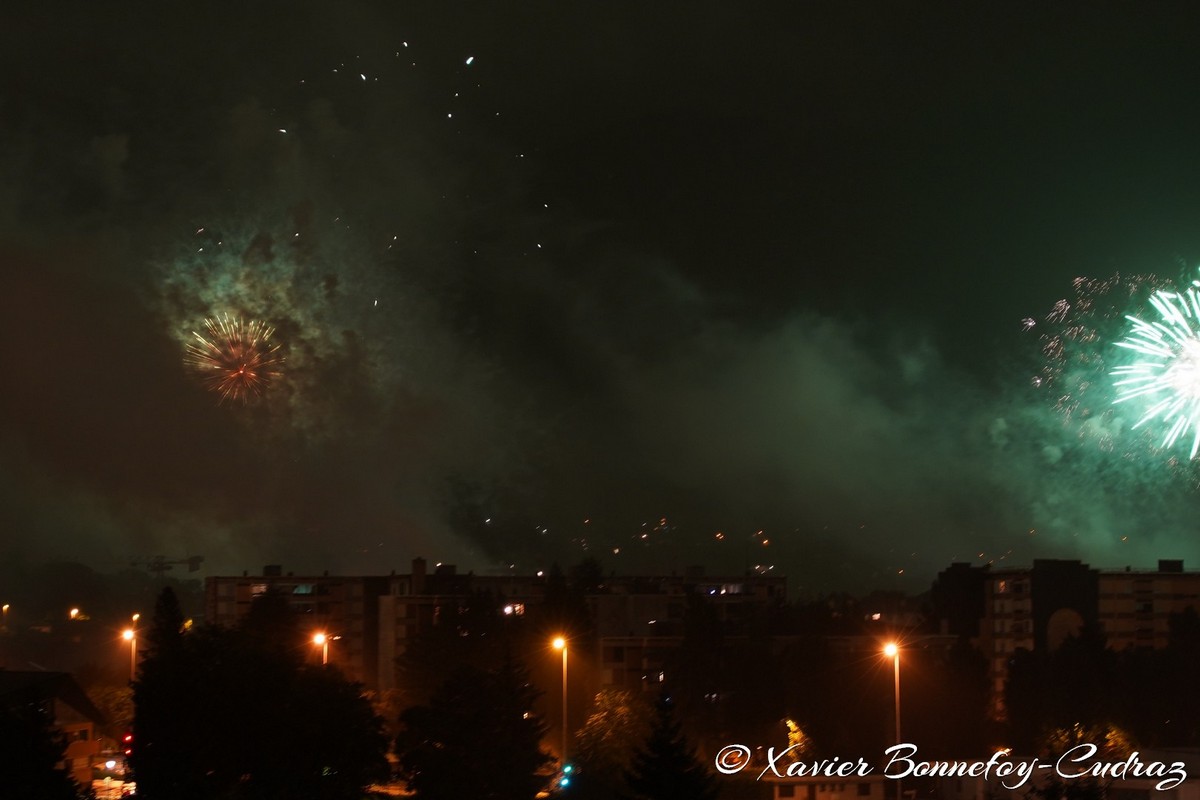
(1167, 373)
(237, 359)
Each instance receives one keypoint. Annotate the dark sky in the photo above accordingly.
(555, 279)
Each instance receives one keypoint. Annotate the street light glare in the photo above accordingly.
(559, 643)
(127, 634)
(319, 638)
(892, 651)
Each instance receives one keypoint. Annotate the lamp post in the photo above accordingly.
(322, 640)
(561, 644)
(892, 650)
(5, 609)
(130, 635)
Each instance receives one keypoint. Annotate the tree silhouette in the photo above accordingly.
(33, 752)
(237, 713)
(478, 738)
(164, 704)
(666, 768)
(1059, 689)
(606, 744)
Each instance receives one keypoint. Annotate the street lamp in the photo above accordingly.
(4, 608)
(892, 651)
(322, 640)
(130, 635)
(561, 644)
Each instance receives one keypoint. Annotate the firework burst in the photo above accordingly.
(1074, 343)
(235, 358)
(1166, 374)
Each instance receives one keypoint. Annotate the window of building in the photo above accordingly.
(1002, 587)
(258, 588)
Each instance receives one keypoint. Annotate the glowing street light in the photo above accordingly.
(322, 641)
(73, 613)
(561, 644)
(130, 635)
(892, 651)
(4, 608)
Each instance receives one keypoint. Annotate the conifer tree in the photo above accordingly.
(478, 737)
(666, 768)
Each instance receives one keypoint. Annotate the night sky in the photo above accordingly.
(555, 279)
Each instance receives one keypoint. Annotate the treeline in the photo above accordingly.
(1150, 697)
(245, 712)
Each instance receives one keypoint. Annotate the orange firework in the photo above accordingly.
(236, 359)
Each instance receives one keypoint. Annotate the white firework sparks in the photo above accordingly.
(1166, 374)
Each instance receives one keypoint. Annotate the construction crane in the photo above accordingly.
(159, 564)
